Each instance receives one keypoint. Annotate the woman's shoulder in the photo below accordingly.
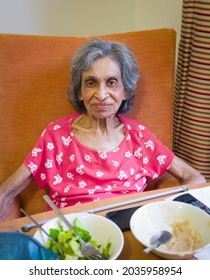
(136, 127)
(62, 122)
(132, 123)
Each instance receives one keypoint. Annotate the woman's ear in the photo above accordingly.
(80, 96)
(125, 95)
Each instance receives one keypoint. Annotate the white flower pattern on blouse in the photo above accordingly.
(50, 146)
(66, 141)
(58, 179)
(161, 159)
(32, 167)
(49, 163)
(76, 174)
(35, 152)
(59, 158)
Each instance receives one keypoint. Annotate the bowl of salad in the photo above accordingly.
(95, 229)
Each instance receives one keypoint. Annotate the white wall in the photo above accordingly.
(67, 17)
(87, 17)
(152, 14)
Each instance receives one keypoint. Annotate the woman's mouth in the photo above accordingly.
(101, 106)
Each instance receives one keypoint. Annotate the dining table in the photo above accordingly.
(132, 249)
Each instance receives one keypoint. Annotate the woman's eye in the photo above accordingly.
(90, 83)
(112, 83)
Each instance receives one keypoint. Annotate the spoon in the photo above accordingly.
(158, 239)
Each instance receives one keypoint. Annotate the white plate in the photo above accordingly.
(100, 228)
(161, 215)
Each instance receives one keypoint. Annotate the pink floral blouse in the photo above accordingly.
(76, 174)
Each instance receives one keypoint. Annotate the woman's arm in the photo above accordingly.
(185, 173)
(10, 188)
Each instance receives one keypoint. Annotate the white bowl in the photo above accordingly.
(164, 215)
(101, 229)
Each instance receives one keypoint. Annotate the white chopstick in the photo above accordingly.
(140, 199)
(28, 227)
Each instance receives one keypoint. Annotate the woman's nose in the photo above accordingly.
(102, 92)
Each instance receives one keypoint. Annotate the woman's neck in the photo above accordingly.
(99, 134)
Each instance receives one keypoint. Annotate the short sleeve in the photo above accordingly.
(157, 157)
(41, 157)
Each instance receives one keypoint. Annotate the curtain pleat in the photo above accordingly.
(191, 138)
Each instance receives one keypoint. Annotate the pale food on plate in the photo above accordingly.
(184, 238)
(189, 225)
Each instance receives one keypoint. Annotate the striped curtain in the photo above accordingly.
(191, 139)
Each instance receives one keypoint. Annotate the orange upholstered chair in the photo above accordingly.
(34, 76)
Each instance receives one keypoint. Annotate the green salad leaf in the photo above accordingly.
(70, 244)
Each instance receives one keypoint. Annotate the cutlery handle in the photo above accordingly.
(35, 222)
(42, 229)
(57, 211)
(28, 227)
(149, 249)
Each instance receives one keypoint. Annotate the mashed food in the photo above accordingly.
(184, 238)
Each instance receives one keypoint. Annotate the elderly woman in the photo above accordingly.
(97, 153)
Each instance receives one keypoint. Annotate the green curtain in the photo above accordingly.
(191, 138)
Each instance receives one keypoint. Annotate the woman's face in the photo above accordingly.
(102, 89)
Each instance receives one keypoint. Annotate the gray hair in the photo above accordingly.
(99, 48)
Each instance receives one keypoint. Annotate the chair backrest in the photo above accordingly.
(34, 77)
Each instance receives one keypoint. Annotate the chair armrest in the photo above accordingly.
(165, 181)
